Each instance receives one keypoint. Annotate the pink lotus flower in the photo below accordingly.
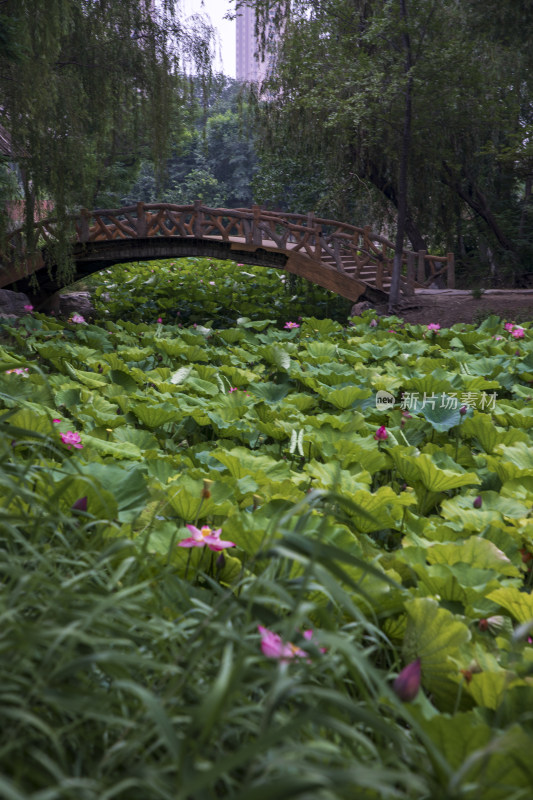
(273, 646)
(205, 536)
(19, 371)
(160, 319)
(373, 323)
(72, 438)
(518, 333)
(407, 683)
(78, 319)
(56, 420)
(28, 308)
(290, 325)
(233, 389)
(508, 326)
(433, 326)
(381, 434)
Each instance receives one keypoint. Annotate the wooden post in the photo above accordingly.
(379, 274)
(142, 227)
(84, 225)
(366, 238)
(198, 219)
(451, 270)
(421, 276)
(256, 231)
(411, 268)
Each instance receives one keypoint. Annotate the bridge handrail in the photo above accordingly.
(361, 245)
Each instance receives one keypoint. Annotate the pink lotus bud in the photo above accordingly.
(477, 502)
(80, 505)
(381, 434)
(463, 410)
(373, 323)
(407, 683)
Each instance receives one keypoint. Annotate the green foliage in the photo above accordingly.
(87, 89)
(132, 667)
(332, 116)
(207, 291)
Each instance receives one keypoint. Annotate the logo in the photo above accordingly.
(384, 400)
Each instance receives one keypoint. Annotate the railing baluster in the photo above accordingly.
(142, 226)
(198, 219)
(257, 237)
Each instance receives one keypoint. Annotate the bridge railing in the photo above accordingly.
(347, 248)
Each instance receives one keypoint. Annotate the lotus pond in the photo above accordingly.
(246, 558)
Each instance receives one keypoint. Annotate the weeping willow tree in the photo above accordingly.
(411, 113)
(87, 87)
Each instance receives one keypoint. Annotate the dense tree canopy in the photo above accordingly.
(213, 161)
(88, 86)
(333, 120)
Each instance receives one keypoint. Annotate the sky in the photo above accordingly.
(215, 9)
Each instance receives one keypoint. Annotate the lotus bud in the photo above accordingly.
(221, 561)
(257, 500)
(381, 434)
(477, 502)
(80, 505)
(407, 683)
(463, 410)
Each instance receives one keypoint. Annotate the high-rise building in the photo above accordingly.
(249, 66)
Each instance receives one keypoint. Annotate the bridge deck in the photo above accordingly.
(343, 258)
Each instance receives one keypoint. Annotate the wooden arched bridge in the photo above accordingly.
(351, 261)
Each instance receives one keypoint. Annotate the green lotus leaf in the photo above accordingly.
(241, 462)
(115, 449)
(89, 379)
(124, 379)
(155, 416)
(321, 350)
(517, 603)
(365, 453)
(299, 401)
(33, 420)
(488, 688)
(274, 430)
(180, 375)
(480, 553)
(330, 476)
(140, 438)
(385, 508)
(435, 636)
(184, 496)
(441, 480)
(202, 387)
(231, 335)
(345, 397)
(406, 462)
(237, 376)
(276, 356)
(321, 326)
(520, 455)
(519, 489)
(443, 416)
(101, 502)
(270, 392)
(491, 501)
